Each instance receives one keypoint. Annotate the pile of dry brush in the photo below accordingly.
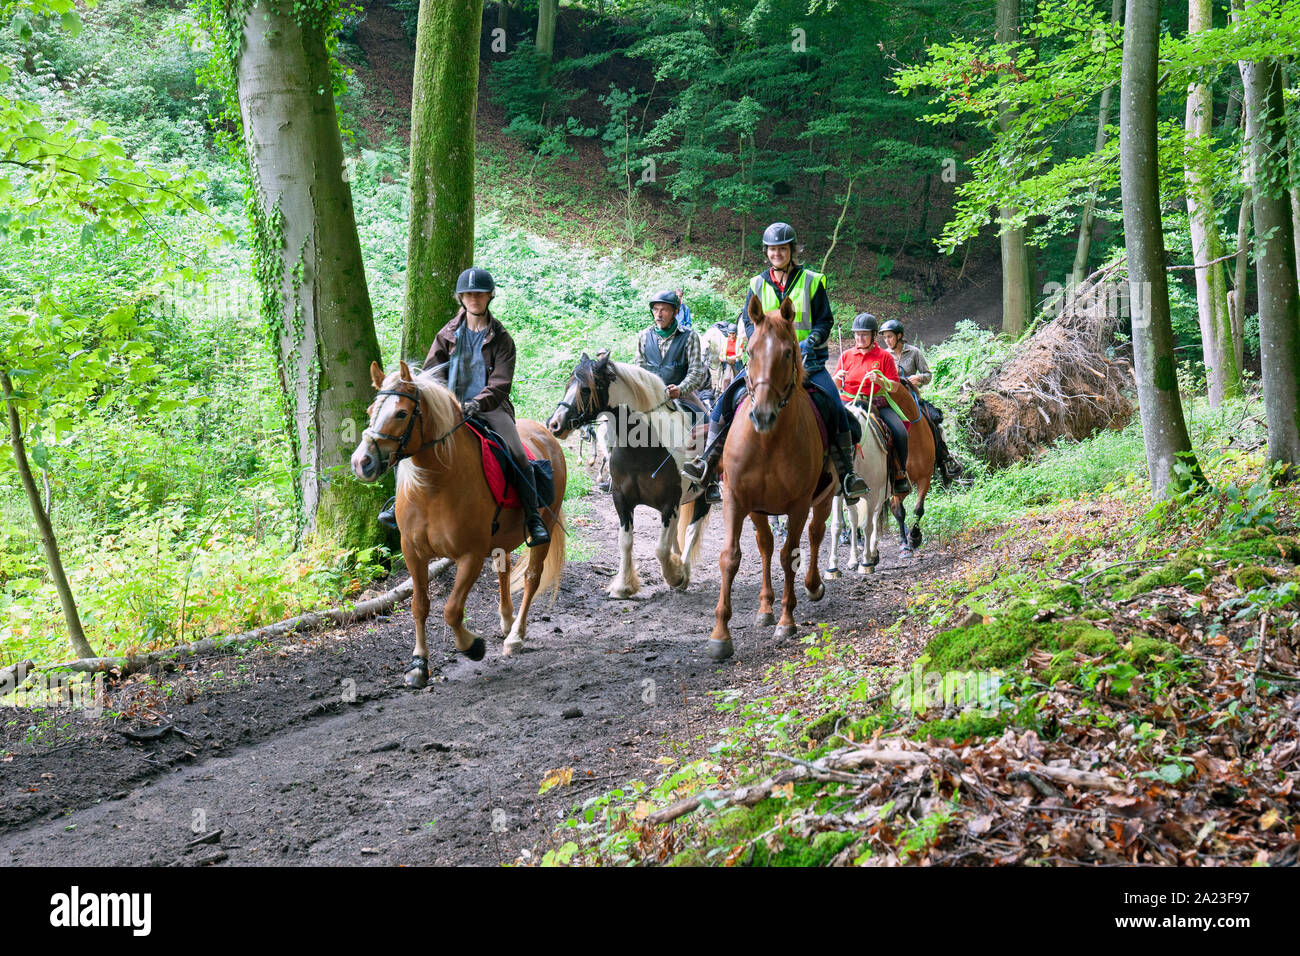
(1061, 381)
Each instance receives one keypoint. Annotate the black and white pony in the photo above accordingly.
(649, 438)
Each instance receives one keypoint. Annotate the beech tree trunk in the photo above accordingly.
(1275, 264)
(1017, 301)
(1222, 371)
(440, 244)
(309, 264)
(1087, 221)
(547, 14)
(48, 541)
(1164, 430)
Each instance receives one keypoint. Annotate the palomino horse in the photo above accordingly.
(872, 466)
(445, 508)
(773, 460)
(920, 466)
(648, 441)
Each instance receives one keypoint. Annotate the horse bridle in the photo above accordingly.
(400, 452)
(789, 392)
(588, 413)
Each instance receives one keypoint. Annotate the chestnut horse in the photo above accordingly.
(920, 463)
(445, 509)
(772, 462)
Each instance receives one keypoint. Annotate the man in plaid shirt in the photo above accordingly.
(672, 352)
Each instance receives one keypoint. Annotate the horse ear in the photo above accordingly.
(406, 372)
(586, 357)
(755, 309)
(787, 310)
(376, 375)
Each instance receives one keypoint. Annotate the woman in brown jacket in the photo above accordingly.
(474, 356)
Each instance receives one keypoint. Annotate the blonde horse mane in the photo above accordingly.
(645, 390)
(439, 412)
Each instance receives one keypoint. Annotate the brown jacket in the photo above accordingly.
(498, 359)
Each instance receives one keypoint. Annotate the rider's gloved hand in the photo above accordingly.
(469, 408)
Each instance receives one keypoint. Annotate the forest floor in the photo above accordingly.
(267, 755)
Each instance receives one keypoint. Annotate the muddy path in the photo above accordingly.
(310, 751)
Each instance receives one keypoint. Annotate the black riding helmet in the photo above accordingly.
(779, 234)
(865, 322)
(667, 297)
(892, 325)
(475, 279)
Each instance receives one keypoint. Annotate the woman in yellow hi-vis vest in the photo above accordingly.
(806, 291)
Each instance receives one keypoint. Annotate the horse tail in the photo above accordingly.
(685, 519)
(552, 567)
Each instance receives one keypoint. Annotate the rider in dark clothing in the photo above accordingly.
(474, 356)
(673, 353)
(813, 321)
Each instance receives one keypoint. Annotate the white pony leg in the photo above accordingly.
(665, 552)
(626, 583)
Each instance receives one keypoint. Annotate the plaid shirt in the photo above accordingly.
(696, 369)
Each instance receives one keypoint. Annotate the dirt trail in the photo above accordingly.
(275, 759)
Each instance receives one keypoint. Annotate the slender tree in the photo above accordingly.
(1088, 219)
(308, 258)
(547, 14)
(443, 112)
(1222, 370)
(1017, 300)
(49, 542)
(1275, 265)
(1164, 430)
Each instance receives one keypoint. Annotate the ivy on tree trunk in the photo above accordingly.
(308, 258)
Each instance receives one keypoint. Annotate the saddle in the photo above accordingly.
(498, 462)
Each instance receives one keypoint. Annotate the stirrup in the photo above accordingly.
(851, 493)
(696, 468)
(713, 492)
(388, 515)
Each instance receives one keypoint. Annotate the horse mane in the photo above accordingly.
(648, 389)
(440, 413)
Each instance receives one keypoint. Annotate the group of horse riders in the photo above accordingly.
(474, 356)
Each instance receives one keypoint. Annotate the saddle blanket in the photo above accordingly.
(497, 462)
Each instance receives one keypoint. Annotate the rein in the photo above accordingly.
(400, 452)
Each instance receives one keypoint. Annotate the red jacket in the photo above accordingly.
(856, 363)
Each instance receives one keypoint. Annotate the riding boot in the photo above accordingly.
(704, 468)
(851, 482)
(534, 527)
(388, 516)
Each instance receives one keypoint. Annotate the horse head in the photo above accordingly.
(775, 364)
(585, 397)
(406, 411)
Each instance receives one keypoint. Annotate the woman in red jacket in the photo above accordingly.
(867, 370)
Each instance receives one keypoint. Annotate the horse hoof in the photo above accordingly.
(682, 584)
(476, 650)
(833, 575)
(720, 650)
(818, 594)
(865, 569)
(786, 631)
(417, 673)
(764, 619)
(513, 645)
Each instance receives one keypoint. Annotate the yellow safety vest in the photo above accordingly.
(800, 295)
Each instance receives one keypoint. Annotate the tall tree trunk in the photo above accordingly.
(443, 110)
(309, 263)
(1275, 265)
(1087, 220)
(48, 541)
(1164, 430)
(1017, 300)
(547, 13)
(1207, 246)
(1237, 297)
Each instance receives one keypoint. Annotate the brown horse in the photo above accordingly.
(920, 463)
(772, 461)
(445, 509)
